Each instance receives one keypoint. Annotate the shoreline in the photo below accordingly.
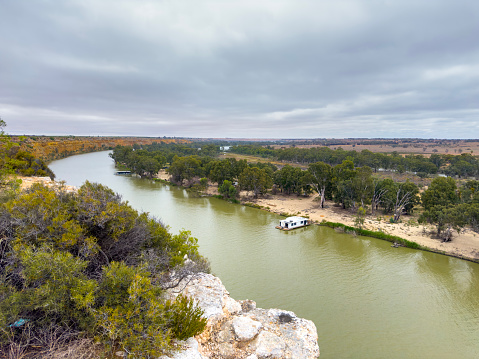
(464, 245)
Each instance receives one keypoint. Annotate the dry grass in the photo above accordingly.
(426, 147)
(50, 343)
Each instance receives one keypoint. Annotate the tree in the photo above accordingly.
(446, 219)
(378, 192)
(147, 166)
(362, 185)
(227, 189)
(403, 198)
(342, 183)
(256, 180)
(441, 192)
(320, 178)
(185, 168)
(360, 216)
(414, 200)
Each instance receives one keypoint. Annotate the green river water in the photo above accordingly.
(368, 300)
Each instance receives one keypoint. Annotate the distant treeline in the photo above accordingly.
(463, 165)
(15, 160)
(50, 148)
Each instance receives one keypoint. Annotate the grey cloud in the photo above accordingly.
(373, 68)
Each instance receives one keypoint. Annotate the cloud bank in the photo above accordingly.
(264, 69)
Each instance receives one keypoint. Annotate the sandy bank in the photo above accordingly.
(464, 245)
(28, 181)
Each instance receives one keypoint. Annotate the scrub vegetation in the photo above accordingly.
(84, 265)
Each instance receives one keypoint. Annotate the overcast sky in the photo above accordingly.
(262, 68)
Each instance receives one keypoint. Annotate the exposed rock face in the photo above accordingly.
(237, 329)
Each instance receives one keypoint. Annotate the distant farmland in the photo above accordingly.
(409, 146)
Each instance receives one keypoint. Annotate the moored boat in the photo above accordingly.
(293, 222)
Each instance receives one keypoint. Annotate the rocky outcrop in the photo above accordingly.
(237, 329)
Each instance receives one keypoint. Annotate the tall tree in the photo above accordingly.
(379, 190)
(342, 177)
(320, 178)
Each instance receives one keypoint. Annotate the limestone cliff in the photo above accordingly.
(237, 329)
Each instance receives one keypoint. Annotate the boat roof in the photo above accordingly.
(295, 218)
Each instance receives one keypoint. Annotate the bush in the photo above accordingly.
(88, 263)
(227, 189)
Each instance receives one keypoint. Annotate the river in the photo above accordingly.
(368, 300)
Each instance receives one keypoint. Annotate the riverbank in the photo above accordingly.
(464, 245)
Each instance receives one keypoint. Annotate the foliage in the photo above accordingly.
(88, 261)
(14, 160)
(441, 192)
(360, 216)
(185, 168)
(292, 180)
(227, 169)
(8, 183)
(227, 189)
(463, 165)
(130, 312)
(256, 180)
(185, 318)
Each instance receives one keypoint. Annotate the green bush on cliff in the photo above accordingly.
(89, 265)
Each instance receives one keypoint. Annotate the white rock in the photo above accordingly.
(301, 339)
(269, 345)
(208, 292)
(246, 328)
(231, 306)
(190, 351)
(238, 329)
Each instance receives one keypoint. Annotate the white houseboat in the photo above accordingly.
(293, 222)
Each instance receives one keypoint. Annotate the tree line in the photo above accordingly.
(147, 160)
(463, 165)
(14, 160)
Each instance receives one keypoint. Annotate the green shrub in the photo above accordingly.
(227, 189)
(132, 313)
(88, 262)
(186, 319)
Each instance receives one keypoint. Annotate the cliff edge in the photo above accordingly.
(238, 329)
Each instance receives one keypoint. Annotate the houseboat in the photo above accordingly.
(293, 222)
